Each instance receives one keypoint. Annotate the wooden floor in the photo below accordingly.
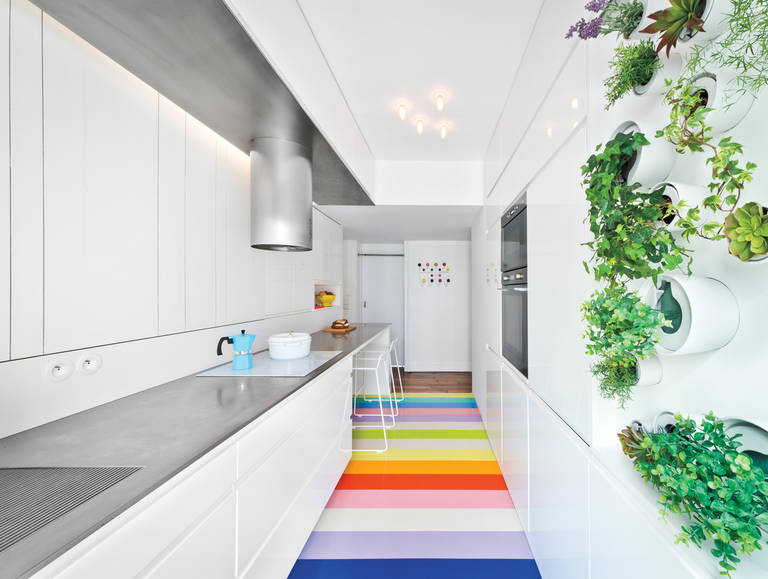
(451, 382)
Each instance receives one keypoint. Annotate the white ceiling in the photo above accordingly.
(384, 53)
(392, 223)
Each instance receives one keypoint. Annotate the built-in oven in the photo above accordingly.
(514, 285)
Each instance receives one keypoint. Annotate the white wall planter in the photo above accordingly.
(728, 106)
(715, 23)
(753, 436)
(649, 371)
(666, 418)
(670, 68)
(676, 192)
(699, 331)
(653, 163)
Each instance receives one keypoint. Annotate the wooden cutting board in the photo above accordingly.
(341, 331)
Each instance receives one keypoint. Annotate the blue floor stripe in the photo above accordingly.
(415, 569)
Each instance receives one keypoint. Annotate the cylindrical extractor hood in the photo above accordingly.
(281, 195)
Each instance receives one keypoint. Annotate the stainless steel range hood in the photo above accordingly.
(281, 195)
(196, 53)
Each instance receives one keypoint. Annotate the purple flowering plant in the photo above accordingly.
(620, 16)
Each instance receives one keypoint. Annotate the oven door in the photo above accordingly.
(514, 242)
(514, 325)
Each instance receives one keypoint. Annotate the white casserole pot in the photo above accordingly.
(289, 346)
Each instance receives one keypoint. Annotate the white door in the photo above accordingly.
(383, 288)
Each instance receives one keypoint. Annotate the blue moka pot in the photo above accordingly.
(242, 344)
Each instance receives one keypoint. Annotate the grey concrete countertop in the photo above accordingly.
(163, 429)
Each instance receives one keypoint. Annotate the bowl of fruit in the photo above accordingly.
(325, 299)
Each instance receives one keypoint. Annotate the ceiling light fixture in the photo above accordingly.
(549, 131)
(574, 103)
(419, 126)
(401, 112)
(443, 132)
(440, 101)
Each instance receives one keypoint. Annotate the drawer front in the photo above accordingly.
(259, 441)
(208, 551)
(266, 495)
(160, 523)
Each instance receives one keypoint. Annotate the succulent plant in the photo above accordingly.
(747, 230)
(672, 22)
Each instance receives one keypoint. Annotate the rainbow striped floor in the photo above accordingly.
(434, 505)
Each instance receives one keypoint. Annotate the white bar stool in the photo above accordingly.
(370, 364)
(391, 353)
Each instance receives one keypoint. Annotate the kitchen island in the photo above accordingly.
(234, 472)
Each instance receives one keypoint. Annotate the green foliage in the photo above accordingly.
(633, 65)
(621, 17)
(620, 329)
(689, 132)
(682, 16)
(616, 379)
(747, 230)
(742, 48)
(629, 242)
(700, 474)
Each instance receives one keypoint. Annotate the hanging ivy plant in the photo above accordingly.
(688, 132)
(700, 474)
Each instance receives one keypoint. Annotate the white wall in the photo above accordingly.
(429, 183)
(437, 316)
(128, 235)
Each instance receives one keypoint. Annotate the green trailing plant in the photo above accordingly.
(747, 231)
(689, 132)
(620, 330)
(743, 48)
(700, 474)
(633, 65)
(681, 17)
(630, 241)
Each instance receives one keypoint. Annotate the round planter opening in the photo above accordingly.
(753, 439)
(670, 68)
(729, 107)
(703, 12)
(651, 163)
(689, 303)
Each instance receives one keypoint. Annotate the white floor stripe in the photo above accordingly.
(427, 443)
(419, 520)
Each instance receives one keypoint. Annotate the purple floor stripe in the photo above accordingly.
(425, 418)
(417, 545)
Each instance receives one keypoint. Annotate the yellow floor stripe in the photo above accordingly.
(423, 467)
(427, 454)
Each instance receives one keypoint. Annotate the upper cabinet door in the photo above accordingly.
(5, 192)
(100, 199)
(319, 245)
(335, 252)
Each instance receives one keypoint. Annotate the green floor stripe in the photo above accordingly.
(420, 434)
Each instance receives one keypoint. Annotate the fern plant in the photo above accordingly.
(633, 65)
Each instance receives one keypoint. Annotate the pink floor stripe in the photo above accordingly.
(407, 411)
(424, 499)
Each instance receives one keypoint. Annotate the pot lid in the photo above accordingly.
(289, 337)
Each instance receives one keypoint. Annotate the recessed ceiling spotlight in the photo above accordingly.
(575, 124)
(549, 131)
(401, 111)
(574, 103)
(443, 132)
(440, 101)
(419, 126)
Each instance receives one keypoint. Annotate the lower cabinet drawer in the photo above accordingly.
(157, 526)
(267, 495)
(208, 551)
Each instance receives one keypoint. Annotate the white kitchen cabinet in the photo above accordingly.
(26, 180)
(170, 189)
(208, 551)
(5, 190)
(479, 272)
(514, 464)
(493, 284)
(157, 524)
(335, 252)
(555, 324)
(200, 226)
(559, 495)
(623, 536)
(101, 214)
(327, 249)
(494, 413)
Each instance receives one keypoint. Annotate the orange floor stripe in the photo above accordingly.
(422, 481)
